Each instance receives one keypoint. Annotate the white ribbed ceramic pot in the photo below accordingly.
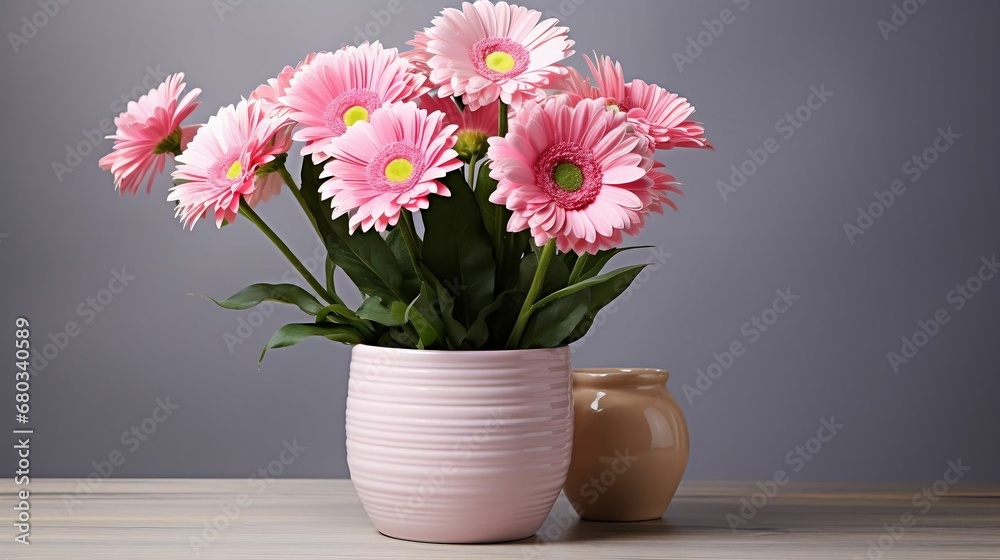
(459, 447)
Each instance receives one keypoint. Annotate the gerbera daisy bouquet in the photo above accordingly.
(473, 188)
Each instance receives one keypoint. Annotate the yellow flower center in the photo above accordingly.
(355, 114)
(399, 170)
(234, 170)
(500, 61)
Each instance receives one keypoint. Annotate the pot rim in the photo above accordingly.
(621, 375)
(418, 352)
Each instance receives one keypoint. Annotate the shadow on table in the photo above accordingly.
(578, 530)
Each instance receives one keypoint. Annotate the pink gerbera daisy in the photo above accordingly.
(275, 88)
(337, 90)
(664, 185)
(654, 111)
(269, 184)
(573, 84)
(653, 201)
(219, 167)
(418, 55)
(148, 130)
(576, 174)
(496, 51)
(268, 181)
(474, 127)
(391, 164)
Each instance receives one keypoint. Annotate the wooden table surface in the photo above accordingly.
(154, 519)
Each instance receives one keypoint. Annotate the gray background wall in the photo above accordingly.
(826, 356)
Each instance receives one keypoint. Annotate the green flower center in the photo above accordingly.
(568, 176)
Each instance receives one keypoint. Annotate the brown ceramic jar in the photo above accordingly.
(630, 444)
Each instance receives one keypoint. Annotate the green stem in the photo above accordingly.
(502, 215)
(292, 186)
(472, 171)
(245, 210)
(297, 192)
(503, 124)
(410, 239)
(581, 262)
(533, 292)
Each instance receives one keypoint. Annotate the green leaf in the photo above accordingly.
(569, 259)
(398, 247)
(502, 321)
(365, 257)
(622, 276)
(491, 213)
(600, 296)
(341, 314)
(337, 311)
(420, 313)
(331, 268)
(550, 326)
(507, 247)
(374, 310)
(556, 277)
(254, 295)
(399, 337)
(593, 264)
(457, 249)
(479, 332)
(441, 303)
(290, 335)
(398, 310)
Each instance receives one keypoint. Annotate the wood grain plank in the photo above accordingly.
(159, 519)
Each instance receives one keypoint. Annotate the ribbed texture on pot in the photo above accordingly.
(459, 447)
